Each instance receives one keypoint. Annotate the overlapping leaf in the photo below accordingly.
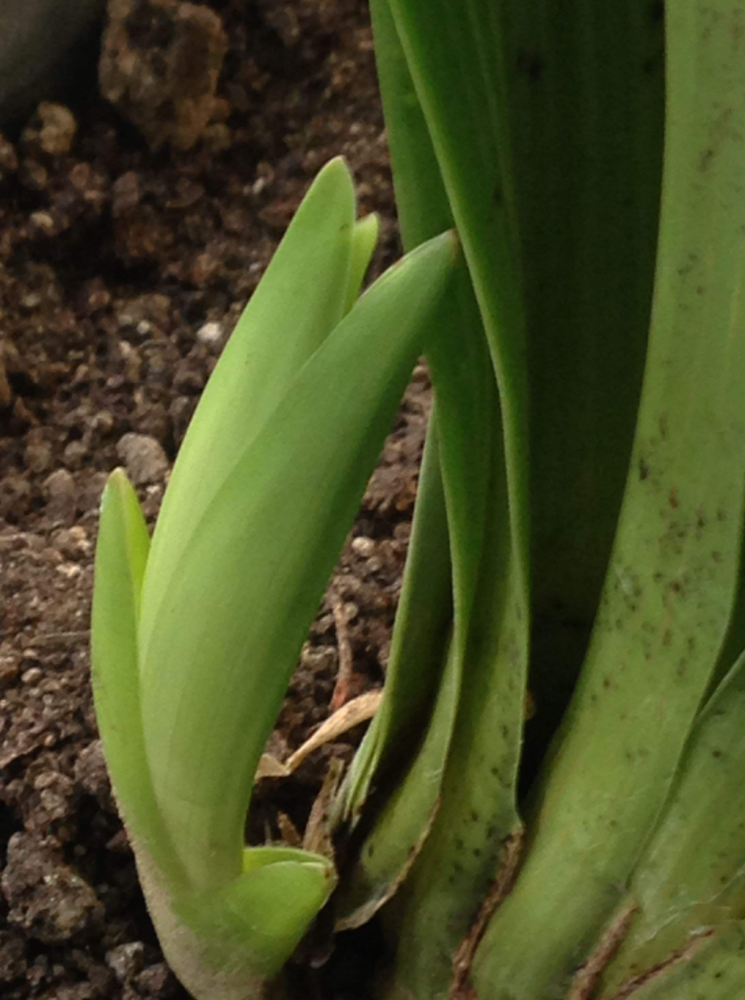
(691, 878)
(191, 666)
(480, 698)
(672, 578)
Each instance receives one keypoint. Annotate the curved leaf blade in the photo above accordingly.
(225, 635)
(121, 555)
(299, 300)
(364, 240)
(671, 583)
(692, 875)
(467, 426)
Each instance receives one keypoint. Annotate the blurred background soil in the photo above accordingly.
(132, 232)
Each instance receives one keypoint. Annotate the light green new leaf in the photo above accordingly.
(364, 240)
(121, 555)
(221, 633)
(258, 919)
(305, 291)
(671, 582)
(215, 937)
(266, 488)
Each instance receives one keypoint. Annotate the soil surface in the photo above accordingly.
(122, 271)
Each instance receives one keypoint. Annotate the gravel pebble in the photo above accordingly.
(163, 78)
(52, 129)
(363, 546)
(126, 960)
(211, 335)
(12, 957)
(92, 776)
(59, 490)
(46, 897)
(143, 457)
(156, 981)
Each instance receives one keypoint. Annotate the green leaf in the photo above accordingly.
(404, 821)
(477, 820)
(584, 95)
(416, 661)
(265, 489)
(232, 941)
(712, 967)
(364, 240)
(457, 83)
(692, 876)
(121, 555)
(299, 300)
(419, 637)
(467, 427)
(222, 631)
(285, 887)
(671, 582)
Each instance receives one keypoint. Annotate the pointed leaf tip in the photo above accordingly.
(335, 171)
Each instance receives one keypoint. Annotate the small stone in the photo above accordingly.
(160, 64)
(156, 981)
(52, 556)
(204, 268)
(151, 309)
(217, 138)
(72, 542)
(9, 670)
(31, 676)
(132, 361)
(402, 532)
(38, 454)
(56, 128)
(363, 546)
(350, 611)
(15, 491)
(32, 301)
(6, 393)
(143, 457)
(211, 335)
(60, 492)
(119, 843)
(180, 412)
(188, 378)
(12, 956)
(46, 897)
(92, 490)
(126, 194)
(33, 175)
(34, 542)
(95, 297)
(317, 659)
(74, 454)
(92, 775)
(43, 223)
(8, 158)
(126, 960)
(69, 570)
(103, 422)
